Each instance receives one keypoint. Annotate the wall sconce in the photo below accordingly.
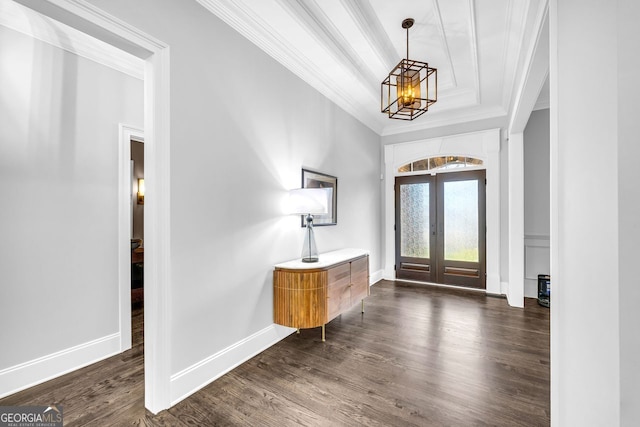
(141, 191)
(309, 202)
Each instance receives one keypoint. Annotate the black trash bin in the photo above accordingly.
(544, 289)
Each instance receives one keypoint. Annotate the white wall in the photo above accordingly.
(59, 116)
(242, 127)
(629, 209)
(536, 200)
(594, 230)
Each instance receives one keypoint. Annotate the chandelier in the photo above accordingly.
(410, 88)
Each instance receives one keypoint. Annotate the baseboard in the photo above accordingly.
(28, 374)
(530, 288)
(375, 277)
(195, 377)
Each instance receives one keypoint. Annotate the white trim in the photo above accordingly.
(443, 118)
(542, 105)
(484, 145)
(515, 292)
(536, 252)
(530, 288)
(535, 75)
(267, 38)
(45, 368)
(556, 346)
(504, 286)
(537, 237)
(157, 232)
(536, 71)
(26, 21)
(126, 134)
(83, 16)
(375, 277)
(198, 375)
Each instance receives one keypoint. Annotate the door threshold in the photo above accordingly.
(450, 287)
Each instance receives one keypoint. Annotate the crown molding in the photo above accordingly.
(436, 121)
(326, 34)
(512, 48)
(26, 21)
(367, 21)
(307, 38)
(443, 39)
(266, 38)
(474, 49)
(542, 105)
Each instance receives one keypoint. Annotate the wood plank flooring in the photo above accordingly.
(419, 356)
(112, 389)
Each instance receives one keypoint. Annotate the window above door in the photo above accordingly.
(441, 163)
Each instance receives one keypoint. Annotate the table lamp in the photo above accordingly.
(309, 202)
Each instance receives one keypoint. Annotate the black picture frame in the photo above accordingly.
(313, 179)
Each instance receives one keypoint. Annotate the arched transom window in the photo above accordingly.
(441, 163)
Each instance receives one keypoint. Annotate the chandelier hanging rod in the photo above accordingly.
(406, 24)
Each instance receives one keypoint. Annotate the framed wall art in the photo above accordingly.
(311, 179)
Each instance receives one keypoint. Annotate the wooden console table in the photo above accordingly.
(309, 295)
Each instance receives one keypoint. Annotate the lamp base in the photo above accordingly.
(309, 249)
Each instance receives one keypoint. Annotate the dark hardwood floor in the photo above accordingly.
(419, 356)
(112, 389)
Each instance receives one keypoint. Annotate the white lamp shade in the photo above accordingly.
(314, 201)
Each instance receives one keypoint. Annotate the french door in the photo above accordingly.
(440, 228)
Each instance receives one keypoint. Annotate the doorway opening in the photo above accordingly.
(137, 222)
(95, 22)
(440, 228)
(137, 241)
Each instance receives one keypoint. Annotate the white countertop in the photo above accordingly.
(324, 260)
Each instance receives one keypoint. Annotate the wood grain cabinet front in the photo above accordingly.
(311, 295)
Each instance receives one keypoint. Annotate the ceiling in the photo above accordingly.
(345, 48)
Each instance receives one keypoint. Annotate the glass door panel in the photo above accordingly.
(414, 220)
(415, 227)
(440, 228)
(461, 229)
(461, 221)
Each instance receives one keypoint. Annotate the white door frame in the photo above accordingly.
(484, 145)
(536, 72)
(93, 21)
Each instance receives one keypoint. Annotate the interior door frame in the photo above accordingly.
(157, 338)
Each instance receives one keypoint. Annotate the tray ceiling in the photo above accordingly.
(345, 48)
